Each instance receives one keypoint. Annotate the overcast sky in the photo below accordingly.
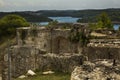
(23, 5)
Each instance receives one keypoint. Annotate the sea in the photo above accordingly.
(71, 20)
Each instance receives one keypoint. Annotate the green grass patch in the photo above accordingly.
(55, 76)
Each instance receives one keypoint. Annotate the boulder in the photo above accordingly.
(31, 73)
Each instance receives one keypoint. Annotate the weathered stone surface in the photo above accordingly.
(51, 41)
(97, 70)
(102, 53)
(51, 49)
(63, 63)
(26, 58)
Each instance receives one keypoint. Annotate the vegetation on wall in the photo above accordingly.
(74, 35)
(77, 35)
(52, 24)
(33, 31)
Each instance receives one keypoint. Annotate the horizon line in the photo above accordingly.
(59, 10)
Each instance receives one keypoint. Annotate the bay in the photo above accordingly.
(65, 19)
(62, 20)
(71, 20)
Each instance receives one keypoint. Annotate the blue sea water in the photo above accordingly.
(62, 20)
(71, 20)
(65, 19)
(116, 26)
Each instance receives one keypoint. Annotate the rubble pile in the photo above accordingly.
(97, 70)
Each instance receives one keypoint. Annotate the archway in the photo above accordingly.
(61, 45)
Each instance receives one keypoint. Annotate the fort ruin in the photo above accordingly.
(41, 48)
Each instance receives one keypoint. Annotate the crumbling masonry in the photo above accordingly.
(39, 48)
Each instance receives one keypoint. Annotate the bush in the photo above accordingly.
(9, 23)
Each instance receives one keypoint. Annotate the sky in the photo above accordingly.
(34, 5)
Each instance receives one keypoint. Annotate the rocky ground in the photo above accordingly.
(97, 70)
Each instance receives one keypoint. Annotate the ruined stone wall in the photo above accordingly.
(0, 70)
(59, 42)
(42, 50)
(22, 59)
(28, 57)
(62, 63)
(102, 53)
(105, 43)
(51, 50)
(51, 41)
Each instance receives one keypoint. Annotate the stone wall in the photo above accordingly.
(51, 41)
(102, 53)
(42, 49)
(51, 50)
(28, 57)
(22, 59)
(105, 43)
(0, 70)
(63, 63)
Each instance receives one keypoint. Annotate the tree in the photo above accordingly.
(104, 21)
(9, 23)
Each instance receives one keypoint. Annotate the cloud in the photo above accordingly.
(1, 3)
(13, 5)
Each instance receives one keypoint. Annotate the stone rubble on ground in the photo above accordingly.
(97, 70)
(31, 73)
(48, 72)
(22, 76)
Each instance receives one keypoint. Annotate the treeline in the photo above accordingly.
(86, 15)
(92, 15)
(29, 16)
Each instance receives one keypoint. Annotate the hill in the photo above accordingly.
(29, 16)
(86, 15)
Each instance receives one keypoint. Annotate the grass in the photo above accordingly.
(56, 76)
